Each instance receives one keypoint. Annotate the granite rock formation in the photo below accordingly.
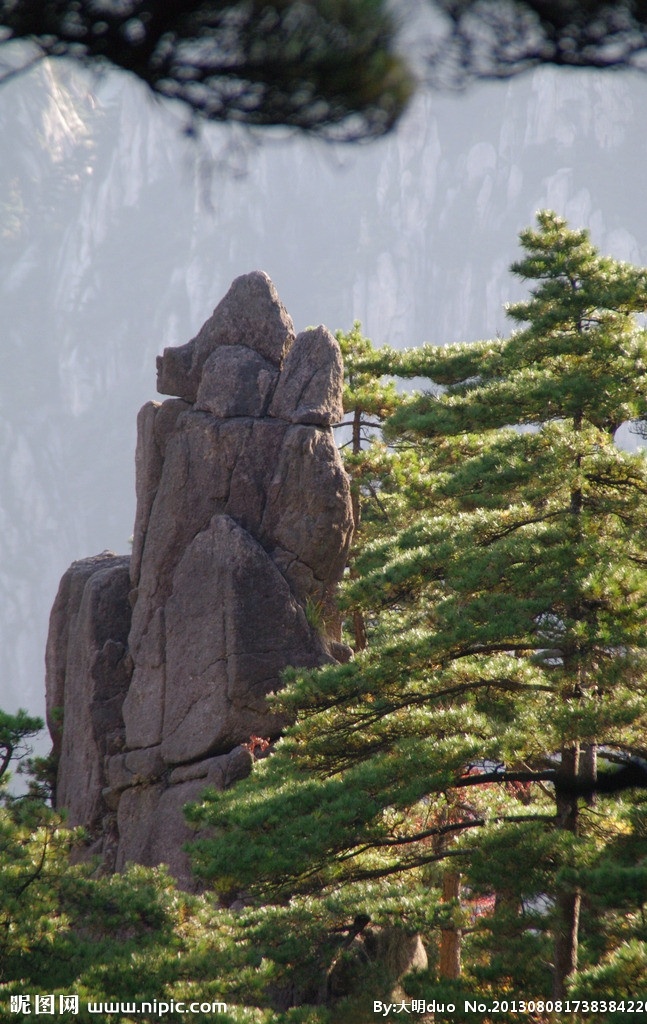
(158, 666)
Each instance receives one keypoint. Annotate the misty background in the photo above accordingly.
(119, 235)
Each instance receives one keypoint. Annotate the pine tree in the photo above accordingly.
(509, 655)
(372, 469)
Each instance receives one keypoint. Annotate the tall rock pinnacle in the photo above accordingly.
(243, 520)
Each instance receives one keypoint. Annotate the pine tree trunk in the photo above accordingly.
(359, 630)
(567, 904)
(359, 625)
(450, 938)
(566, 940)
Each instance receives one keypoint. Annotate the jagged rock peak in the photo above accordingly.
(250, 315)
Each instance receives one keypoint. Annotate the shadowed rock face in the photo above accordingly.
(88, 673)
(243, 517)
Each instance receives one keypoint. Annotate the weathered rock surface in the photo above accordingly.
(220, 667)
(155, 424)
(310, 387)
(243, 520)
(251, 314)
(236, 382)
(88, 672)
(151, 822)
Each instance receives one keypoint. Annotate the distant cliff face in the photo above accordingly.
(158, 666)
